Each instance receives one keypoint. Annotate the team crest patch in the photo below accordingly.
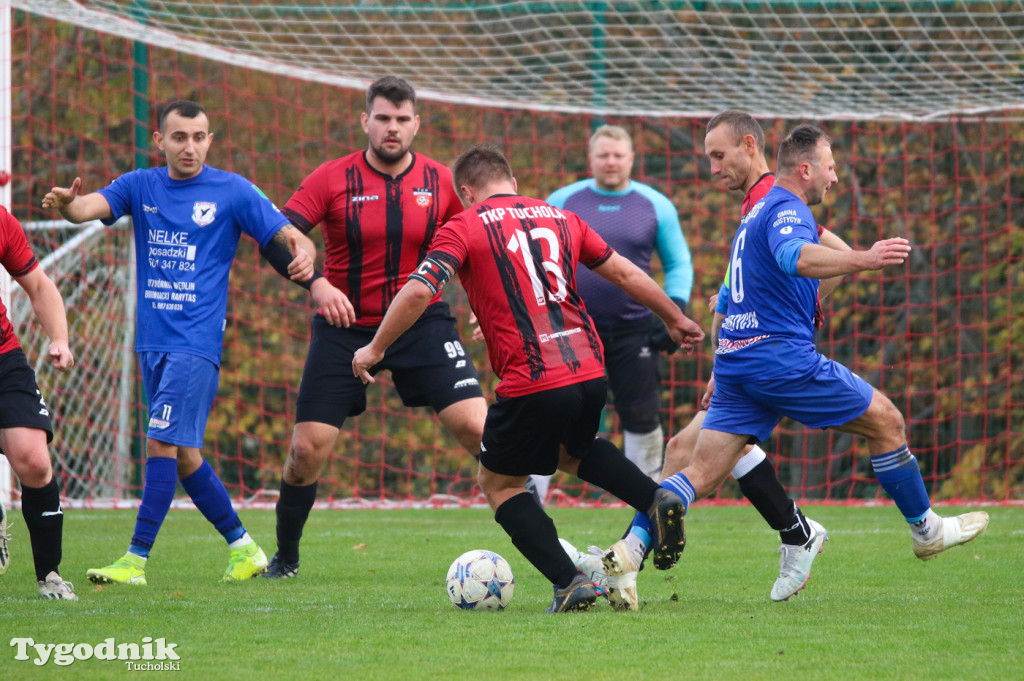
(424, 197)
(203, 212)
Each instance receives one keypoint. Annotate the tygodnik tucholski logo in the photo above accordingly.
(148, 655)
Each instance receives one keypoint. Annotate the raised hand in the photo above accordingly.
(59, 197)
(888, 252)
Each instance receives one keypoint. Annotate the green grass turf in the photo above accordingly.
(870, 611)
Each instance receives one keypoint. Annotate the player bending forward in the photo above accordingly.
(516, 257)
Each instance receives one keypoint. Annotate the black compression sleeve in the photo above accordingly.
(279, 257)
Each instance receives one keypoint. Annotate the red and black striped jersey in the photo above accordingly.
(376, 227)
(516, 257)
(18, 259)
(757, 192)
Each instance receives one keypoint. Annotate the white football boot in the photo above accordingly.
(954, 532)
(795, 564)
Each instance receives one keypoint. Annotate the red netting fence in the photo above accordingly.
(942, 337)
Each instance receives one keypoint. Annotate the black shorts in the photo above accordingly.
(21, 403)
(523, 435)
(428, 365)
(632, 368)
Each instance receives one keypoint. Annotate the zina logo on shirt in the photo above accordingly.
(203, 212)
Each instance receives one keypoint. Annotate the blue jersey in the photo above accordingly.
(186, 235)
(769, 328)
(634, 222)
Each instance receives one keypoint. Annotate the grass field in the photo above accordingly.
(379, 611)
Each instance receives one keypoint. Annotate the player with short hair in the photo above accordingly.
(378, 209)
(637, 221)
(516, 257)
(188, 218)
(770, 369)
(25, 427)
(734, 143)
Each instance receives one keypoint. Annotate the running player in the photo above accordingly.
(766, 364)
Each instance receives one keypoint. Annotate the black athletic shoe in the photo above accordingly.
(579, 595)
(281, 569)
(666, 516)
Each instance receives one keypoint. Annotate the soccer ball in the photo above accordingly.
(480, 580)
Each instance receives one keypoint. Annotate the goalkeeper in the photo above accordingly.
(637, 221)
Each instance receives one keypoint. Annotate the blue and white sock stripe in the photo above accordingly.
(892, 460)
(679, 484)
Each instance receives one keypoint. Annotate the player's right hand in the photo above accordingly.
(332, 303)
(59, 197)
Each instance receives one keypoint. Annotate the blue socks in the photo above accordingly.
(157, 495)
(212, 500)
(641, 527)
(900, 476)
(677, 483)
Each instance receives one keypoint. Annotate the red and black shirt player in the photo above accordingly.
(376, 230)
(376, 227)
(517, 257)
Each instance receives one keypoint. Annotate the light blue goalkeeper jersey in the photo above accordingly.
(635, 222)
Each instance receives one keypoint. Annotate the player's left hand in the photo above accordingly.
(365, 358)
(887, 252)
(301, 266)
(478, 334)
(59, 356)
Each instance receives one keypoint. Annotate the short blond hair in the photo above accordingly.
(614, 132)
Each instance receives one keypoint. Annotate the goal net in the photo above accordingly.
(791, 59)
(93, 266)
(925, 102)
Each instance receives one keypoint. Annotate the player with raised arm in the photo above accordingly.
(188, 218)
(25, 427)
(516, 257)
(766, 364)
(378, 209)
(734, 144)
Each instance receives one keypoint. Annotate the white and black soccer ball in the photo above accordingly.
(480, 580)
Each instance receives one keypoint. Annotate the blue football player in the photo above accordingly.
(766, 363)
(188, 218)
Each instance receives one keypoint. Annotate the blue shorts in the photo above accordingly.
(180, 388)
(826, 396)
